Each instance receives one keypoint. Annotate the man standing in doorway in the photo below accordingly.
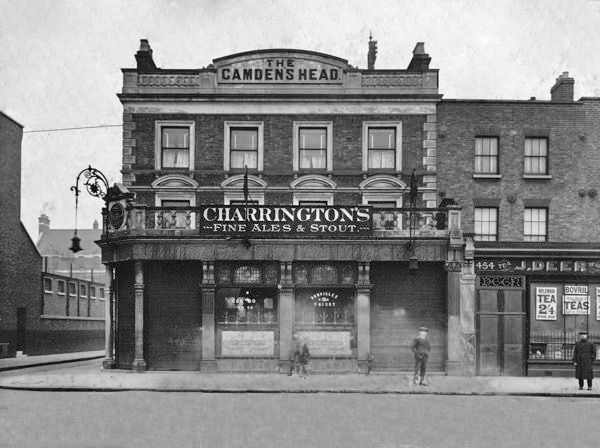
(583, 358)
(420, 347)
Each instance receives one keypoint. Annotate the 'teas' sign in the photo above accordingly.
(576, 304)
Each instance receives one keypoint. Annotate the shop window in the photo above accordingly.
(536, 156)
(313, 146)
(92, 292)
(47, 285)
(243, 145)
(246, 307)
(323, 308)
(60, 287)
(486, 224)
(83, 290)
(174, 145)
(535, 224)
(486, 155)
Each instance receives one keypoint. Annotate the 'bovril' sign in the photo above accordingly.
(284, 220)
(279, 71)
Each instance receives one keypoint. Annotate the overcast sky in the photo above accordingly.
(60, 62)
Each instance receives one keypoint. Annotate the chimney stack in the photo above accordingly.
(563, 89)
(44, 223)
(420, 60)
(145, 63)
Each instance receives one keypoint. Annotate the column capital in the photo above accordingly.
(453, 266)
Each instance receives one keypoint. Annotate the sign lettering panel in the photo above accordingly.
(327, 343)
(247, 343)
(545, 303)
(285, 220)
(573, 304)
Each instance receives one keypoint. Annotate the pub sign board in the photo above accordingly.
(281, 221)
(536, 265)
(279, 70)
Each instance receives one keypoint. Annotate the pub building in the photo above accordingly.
(282, 191)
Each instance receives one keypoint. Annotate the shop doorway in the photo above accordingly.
(501, 322)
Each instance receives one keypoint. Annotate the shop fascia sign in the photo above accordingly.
(282, 220)
(525, 265)
(324, 299)
(279, 70)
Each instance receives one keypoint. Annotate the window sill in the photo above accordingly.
(487, 176)
(537, 176)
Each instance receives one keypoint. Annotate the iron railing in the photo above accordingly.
(556, 345)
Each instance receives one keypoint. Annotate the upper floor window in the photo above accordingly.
(101, 293)
(83, 290)
(313, 146)
(536, 156)
(92, 291)
(382, 145)
(486, 224)
(174, 145)
(72, 289)
(182, 218)
(535, 224)
(486, 155)
(243, 145)
(313, 203)
(60, 286)
(47, 285)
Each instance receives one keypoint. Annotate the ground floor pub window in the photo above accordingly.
(246, 321)
(324, 319)
(558, 312)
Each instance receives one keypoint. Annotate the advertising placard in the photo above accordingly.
(545, 303)
(573, 304)
(247, 343)
(327, 343)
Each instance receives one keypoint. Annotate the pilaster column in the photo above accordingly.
(109, 360)
(139, 364)
(454, 355)
(209, 363)
(286, 317)
(363, 317)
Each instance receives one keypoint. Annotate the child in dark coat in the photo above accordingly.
(300, 356)
(420, 347)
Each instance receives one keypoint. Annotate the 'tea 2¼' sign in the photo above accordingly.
(545, 303)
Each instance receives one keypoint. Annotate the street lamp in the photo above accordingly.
(96, 185)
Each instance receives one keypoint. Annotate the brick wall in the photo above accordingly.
(20, 266)
(573, 163)
(278, 142)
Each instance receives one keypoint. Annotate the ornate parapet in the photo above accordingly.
(168, 80)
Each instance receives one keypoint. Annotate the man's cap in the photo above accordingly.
(423, 329)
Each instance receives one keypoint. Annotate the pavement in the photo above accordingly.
(89, 376)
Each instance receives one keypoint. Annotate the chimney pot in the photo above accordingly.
(43, 223)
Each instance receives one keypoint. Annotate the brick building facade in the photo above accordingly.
(29, 324)
(276, 192)
(530, 206)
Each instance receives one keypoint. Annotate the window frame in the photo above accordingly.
(92, 295)
(72, 286)
(51, 290)
(397, 125)
(227, 127)
(545, 157)
(297, 126)
(83, 290)
(497, 155)
(480, 236)
(158, 126)
(535, 237)
(58, 287)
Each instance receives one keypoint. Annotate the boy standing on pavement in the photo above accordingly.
(583, 358)
(420, 347)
